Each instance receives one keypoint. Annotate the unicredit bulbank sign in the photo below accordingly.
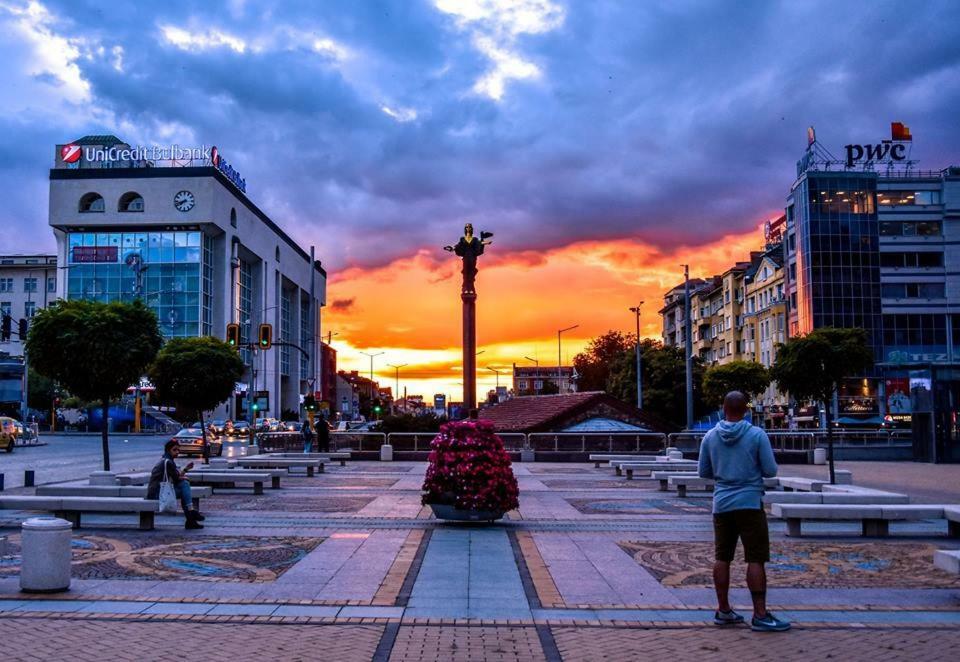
(125, 156)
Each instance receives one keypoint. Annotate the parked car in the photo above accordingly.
(239, 429)
(8, 433)
(292, 426)
(191, 442)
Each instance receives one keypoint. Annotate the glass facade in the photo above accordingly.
(102, 266)
(304, 335)
(286, 320)
(838, 261)
(244, 291)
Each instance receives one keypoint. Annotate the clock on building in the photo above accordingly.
(184, 201)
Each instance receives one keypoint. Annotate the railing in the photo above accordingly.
(279, 441)
(357, 441)
(866, 438)
(788, 440)
(609, 442)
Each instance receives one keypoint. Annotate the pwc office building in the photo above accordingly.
(873, 241)
(175, 227)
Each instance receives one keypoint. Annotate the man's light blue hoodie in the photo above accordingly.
(738, 457)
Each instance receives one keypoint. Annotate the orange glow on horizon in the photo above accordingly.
(410, 309)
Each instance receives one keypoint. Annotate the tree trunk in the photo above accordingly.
(829, 405)
(105, 433)
(206, 444)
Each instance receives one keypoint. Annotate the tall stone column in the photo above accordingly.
(469, 350)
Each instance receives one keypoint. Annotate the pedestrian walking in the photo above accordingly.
(307, 433)
(323, 436)
(738, 456)
(166, 471)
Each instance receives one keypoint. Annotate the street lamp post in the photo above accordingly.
(560, 356)
(535, 361)
(688, 343)
(496, 372)
(396, 384)
(371, 374)
(639, 381)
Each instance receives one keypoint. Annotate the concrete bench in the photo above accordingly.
(788, 483)
(275, 474)
(231, 479)
(684, 483)
(650, 467)
(597, 459)
(848, 498)
(947, 560)
(663, 476)
(70, 508)
(265, 462)
(125, 491)
(340, 456)
(874, 519)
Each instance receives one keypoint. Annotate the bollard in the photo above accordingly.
(386, 453)
(1, 482)
(28, 478)
(45, 555)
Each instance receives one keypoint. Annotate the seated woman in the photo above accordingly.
(168, 467)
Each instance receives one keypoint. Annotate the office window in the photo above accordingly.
(6, 309)
(130, 202)
(91, 203)
(6, 285)
(906, 260)
(910, 228)
(898, 198)
(913, 290)
(51, 284)
(29, 284)
(29, 309)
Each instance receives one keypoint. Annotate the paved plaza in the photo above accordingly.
(348, 565)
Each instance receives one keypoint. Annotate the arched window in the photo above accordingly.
(91, 202)
(233, 218)
(130, 201)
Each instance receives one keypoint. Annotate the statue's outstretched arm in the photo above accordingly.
(448, 248)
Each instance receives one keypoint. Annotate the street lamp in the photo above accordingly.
(639, 391)
(330, 335)
(533, 360)
(497, 372)
(560, 356)
(396, 384)
(371, 371)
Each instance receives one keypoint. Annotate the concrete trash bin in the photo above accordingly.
(386, 453)
(819, 455)
(45, 555)
(675, 455)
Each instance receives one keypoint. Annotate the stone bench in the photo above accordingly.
(265, 462)
(650, 467)
(684, 483)
(874, 519)
(70, 507)
(231, 479)
(275, 474)
(125, 491)
(947, 560)
(664, 476)
(789, 483)
(340, 456)
(849, 498)
(597, 459)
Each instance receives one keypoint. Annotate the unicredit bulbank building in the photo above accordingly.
(174, 226)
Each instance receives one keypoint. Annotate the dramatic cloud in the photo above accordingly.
(342, 305)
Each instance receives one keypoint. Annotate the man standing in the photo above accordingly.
(738, 456)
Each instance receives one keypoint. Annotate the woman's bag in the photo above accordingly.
(168, 495)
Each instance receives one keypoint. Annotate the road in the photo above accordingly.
(70, 457)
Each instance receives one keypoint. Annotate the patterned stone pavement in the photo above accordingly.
(349, 565)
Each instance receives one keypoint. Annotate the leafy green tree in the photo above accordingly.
(94, 350)
(427, 422)
(663, 381)
(811, 367)
(549, 388)
(196, 374)
(594, 365)
(40, 391)
(748, 377)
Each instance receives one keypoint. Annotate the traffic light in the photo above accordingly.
(233, 335)
(255, 407)
(22, 330)
(309, 403)
(377, 407)
(265, 336)
(6, 328)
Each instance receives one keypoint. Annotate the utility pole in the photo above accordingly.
(497, 373)
(639, 381)
(688, 343)
(396, 383)
(560, 357)
(371, 376)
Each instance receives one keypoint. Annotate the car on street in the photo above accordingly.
(291, 426)
(239, 429)
(218, 426)
(191, 442)
(8, 433)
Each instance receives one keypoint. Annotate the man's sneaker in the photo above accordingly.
(727, 618)
(769, 623)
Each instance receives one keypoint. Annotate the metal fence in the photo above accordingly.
(274, 442)
(785, 440)
(588, 442)
(357, 441)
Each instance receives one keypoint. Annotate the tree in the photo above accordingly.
(197, 374)
(41, 391)
(811, 367)
(94, 350)
(748, 377)
(593, 366)
(406, 422)
(664, 375)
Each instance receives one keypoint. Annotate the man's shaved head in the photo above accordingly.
(734, 406)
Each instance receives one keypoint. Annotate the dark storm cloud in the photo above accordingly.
(342, 305)
(678, 122)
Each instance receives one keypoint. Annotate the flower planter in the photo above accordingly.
(454, 514)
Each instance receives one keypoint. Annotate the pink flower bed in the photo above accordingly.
(470, 469)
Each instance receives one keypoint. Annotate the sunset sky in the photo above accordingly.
(604, 143)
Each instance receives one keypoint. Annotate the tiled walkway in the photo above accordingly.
(349, 565)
